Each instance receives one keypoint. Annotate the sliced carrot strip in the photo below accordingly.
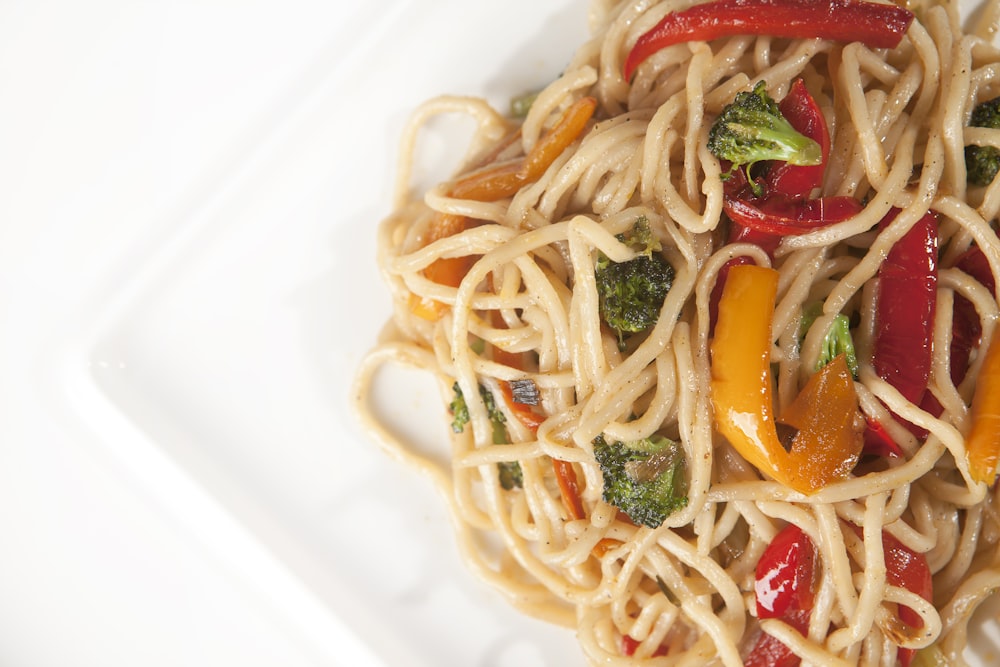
(569, 488)
(566, 130)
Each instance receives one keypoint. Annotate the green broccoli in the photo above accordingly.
(645, 478)
(631, 293)
(509, 471)
(837, 341)
(510, 474)
(752, 129)
(521, 105)
(983, 162)
(460, 412)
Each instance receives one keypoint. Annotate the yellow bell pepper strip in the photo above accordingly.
(741, 377)
(983, 442)
(825, 416)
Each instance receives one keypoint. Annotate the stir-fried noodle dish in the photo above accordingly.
(713, 316)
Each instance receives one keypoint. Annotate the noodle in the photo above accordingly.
(525, 308)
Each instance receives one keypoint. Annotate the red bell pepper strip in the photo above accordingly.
(966, 329)
(878, 442)
(904, 316)
(766, 223)
(785, 588)
(795, 182)
(874, 24)
(904, 323)
(802, 113)
(630, 645)
(785, 575)
(784, 217)
(907, 569)
(784, 208)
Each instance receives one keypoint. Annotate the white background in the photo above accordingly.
(188, 198)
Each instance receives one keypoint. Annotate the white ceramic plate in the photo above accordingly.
(207, 328)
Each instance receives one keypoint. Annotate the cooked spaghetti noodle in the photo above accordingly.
(493, 281)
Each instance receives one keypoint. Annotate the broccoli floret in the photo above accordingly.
(509, 471)
(641, 238)
(837, 341)
(460, 412)
(752, 129)
(645, 478)
(521, 105)
(983, 162)
(631, 293)
(510, 474)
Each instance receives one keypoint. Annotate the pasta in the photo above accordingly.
(496, 285)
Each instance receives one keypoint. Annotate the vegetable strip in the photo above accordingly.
(824, 416)
(983, 441)
(874, 24)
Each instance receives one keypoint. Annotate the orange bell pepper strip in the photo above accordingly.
(824, 417)
(505, 179)
(569, 489)
(983, 442)
(490, 184)
(447, 271)
(830, 428)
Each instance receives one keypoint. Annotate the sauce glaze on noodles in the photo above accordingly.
(898, 126)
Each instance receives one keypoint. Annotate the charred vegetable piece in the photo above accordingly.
(524, 391)
(645, 479)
